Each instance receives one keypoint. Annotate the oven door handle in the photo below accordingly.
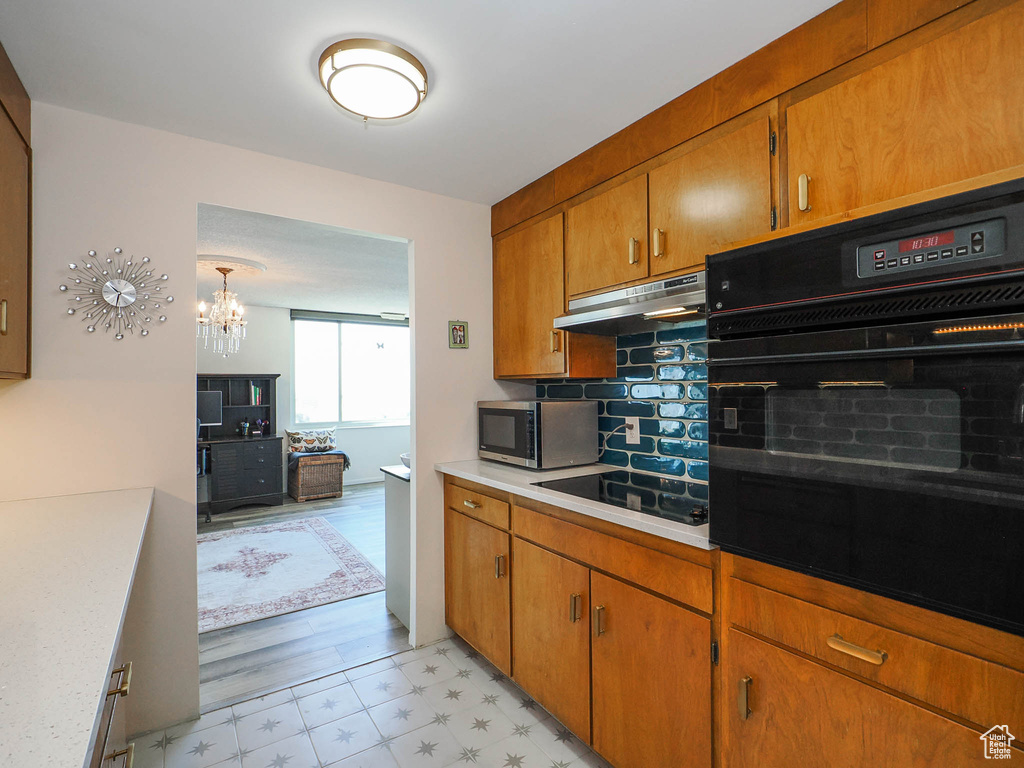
(847, 354)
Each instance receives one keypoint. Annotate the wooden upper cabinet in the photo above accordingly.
(800, 713)
(599, 231)
(550, 633)
(528, 296)
(944, 112)
(14, 252)
(477, 596)
(651, 667)
(719, 193)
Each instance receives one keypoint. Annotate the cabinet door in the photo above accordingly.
(14, 252)
(476, 567)
(651, 667)
(944, 112)
(597, 246)
(801, 713)
(714, 195)
(550, 633)
(527, 298)
(227, 471)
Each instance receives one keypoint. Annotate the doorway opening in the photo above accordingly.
(303, 394)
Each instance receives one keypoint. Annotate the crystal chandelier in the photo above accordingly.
(224, 327)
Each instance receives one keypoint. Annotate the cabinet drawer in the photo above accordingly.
(974, 689)
(673, 577)
(257, 482)
(475, 504)
(262, 454)
(799, 713)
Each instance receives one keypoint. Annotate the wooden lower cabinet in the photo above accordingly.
(651, 666)
(810, 673)
(477, 605)
(799, 712)
(550, 633)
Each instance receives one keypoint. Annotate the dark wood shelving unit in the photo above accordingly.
(236, 400)
(242, 470)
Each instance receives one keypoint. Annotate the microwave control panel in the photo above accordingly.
(928, 250)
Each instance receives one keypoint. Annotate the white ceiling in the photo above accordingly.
(516, 88)
(309, 266)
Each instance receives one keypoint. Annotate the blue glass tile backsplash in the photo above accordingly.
(662, 378)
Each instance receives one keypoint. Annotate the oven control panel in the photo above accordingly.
(927, 250)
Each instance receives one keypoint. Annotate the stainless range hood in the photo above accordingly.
(634, 309)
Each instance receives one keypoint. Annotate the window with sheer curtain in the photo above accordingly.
(347, 372)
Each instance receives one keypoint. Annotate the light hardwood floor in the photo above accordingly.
(249, 660)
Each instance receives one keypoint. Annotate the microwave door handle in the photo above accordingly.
(1018, 406)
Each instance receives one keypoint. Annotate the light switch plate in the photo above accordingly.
(632, 430)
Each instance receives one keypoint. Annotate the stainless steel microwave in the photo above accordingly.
(539, 434)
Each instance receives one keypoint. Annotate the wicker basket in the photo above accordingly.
(316, 477)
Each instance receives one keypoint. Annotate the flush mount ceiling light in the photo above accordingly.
(373, 79)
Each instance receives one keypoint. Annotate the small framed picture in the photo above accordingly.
(458, 334)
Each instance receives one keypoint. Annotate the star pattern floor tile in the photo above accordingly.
(263, 702)
(381, 686)
(332, 704)
(275, 724)
(441, 706)
(293, 752)
(204, 748)
(345, 737)
(320, 684)
(372, 668)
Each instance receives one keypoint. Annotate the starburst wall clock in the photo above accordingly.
(116, 294)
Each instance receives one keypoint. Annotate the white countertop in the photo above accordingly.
(66, 569)
(400, 471)
(519, 481)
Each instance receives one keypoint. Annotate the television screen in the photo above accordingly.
(208, 409)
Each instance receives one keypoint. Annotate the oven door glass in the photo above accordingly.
(507, 433)
(902, 474)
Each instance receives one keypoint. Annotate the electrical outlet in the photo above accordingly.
(632, 430)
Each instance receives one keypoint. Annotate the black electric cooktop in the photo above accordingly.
(653, 495)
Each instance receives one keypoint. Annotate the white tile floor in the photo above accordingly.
(438, 706)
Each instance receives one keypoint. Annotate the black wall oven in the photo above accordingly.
(867, 404)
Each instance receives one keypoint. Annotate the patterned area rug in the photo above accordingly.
(266, 570)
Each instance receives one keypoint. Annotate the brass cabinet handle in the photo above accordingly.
(743, 698)
(837, 643)
(499, 566)
(125, 681)
(554, 341)
(634, 257)
(3, 317)
(599, 620)
(656, 245)
(802, 195)
(471, 504)
(128, 754)
(575, 607)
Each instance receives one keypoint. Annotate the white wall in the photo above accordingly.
(126, 410)
(268, 349)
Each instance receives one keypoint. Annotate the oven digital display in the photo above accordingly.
(927, 241)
